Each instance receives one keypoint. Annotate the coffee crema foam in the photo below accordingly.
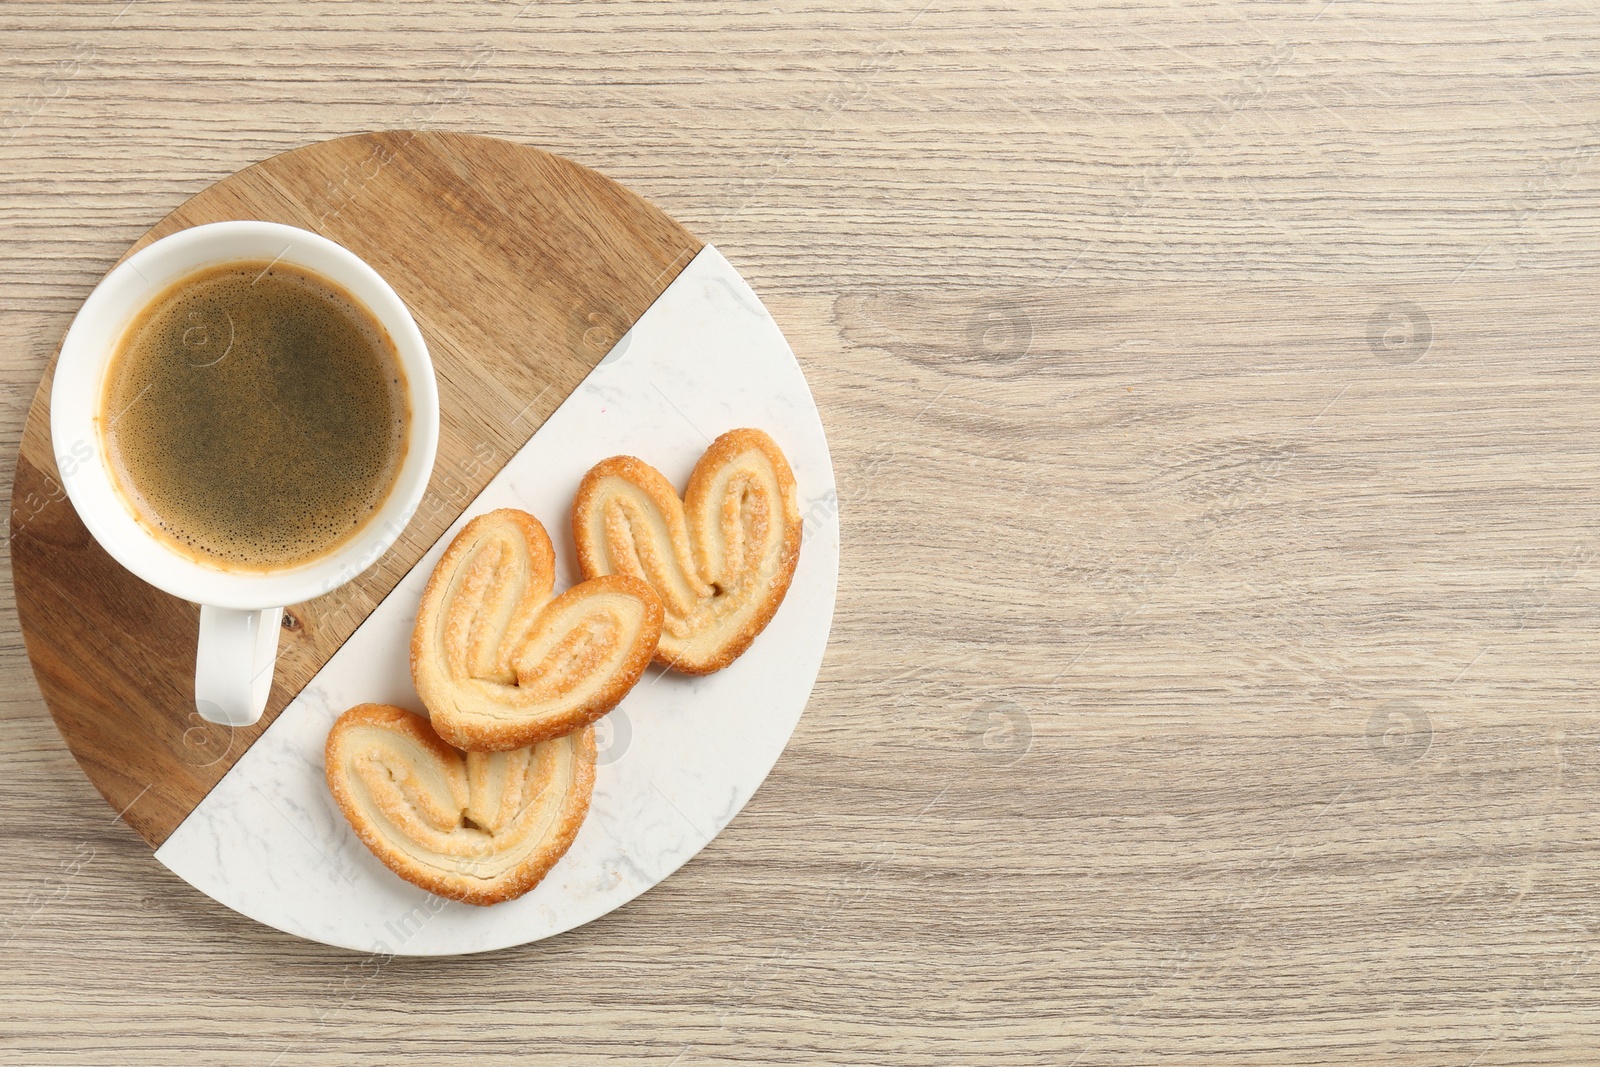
(255, 415)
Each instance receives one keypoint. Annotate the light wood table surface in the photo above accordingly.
(1215, 403)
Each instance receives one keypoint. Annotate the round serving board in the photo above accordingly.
(568, 320)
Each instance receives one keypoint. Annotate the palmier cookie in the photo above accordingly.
(478, 827)
(499, 664)
(721, 559)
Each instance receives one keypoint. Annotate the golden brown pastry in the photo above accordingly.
(478, 827)
(500, 664)
(721, 559)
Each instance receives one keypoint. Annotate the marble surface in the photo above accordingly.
(679, 757)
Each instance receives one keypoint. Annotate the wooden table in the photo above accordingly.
(1215, 404)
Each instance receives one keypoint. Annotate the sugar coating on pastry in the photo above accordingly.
(478, 827)
(501, 664)
(720, 559)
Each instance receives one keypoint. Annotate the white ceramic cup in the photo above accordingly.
(241, 611)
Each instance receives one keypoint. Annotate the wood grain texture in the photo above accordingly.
(520, 268)
(1214, 672)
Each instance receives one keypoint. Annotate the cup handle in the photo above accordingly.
(233, 666)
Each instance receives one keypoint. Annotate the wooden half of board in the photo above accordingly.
(520, 267)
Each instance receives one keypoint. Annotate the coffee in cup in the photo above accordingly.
(254, 415)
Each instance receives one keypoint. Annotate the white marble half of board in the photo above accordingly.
(679, 757)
